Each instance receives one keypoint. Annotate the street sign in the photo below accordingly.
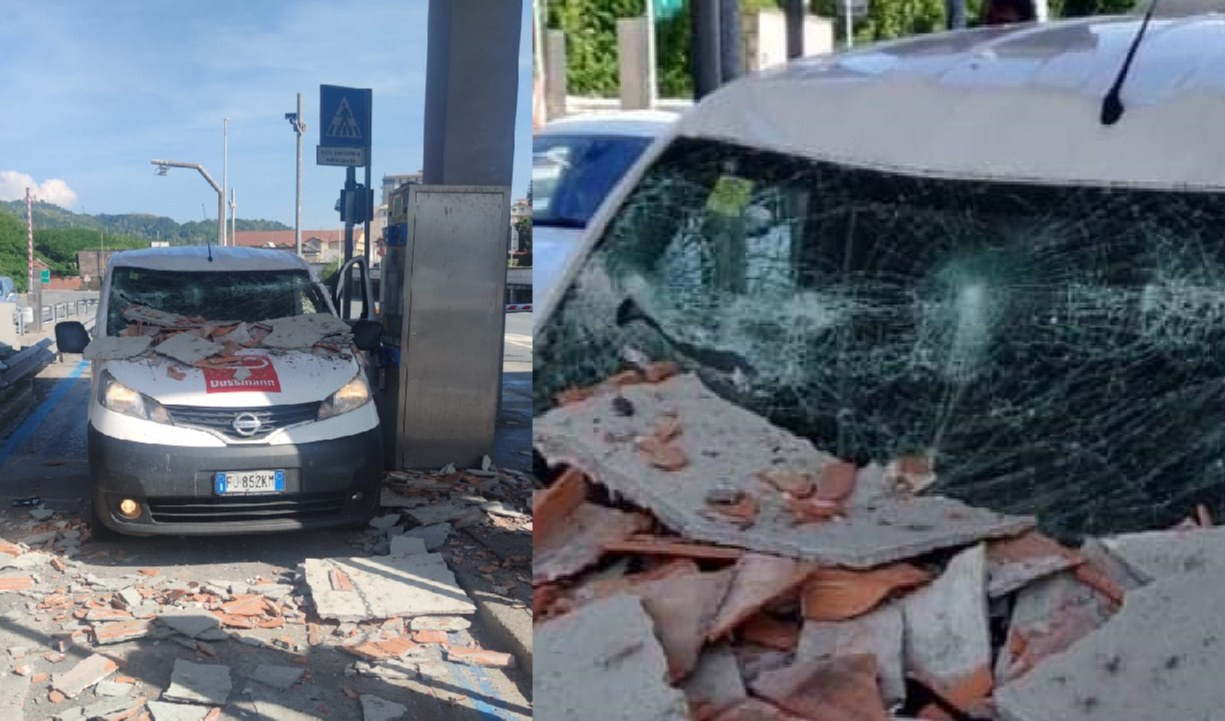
(344, 126)
(46, 275)
(355, 157)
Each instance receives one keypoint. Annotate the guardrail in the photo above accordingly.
(54, 313)
(25, 362)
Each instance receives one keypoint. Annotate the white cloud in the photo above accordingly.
(13, 187)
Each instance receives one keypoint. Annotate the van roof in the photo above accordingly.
(637, 123)
(195, 258)
(1015, 103)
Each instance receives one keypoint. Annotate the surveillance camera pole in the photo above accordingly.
(162, 164)
(299, 127)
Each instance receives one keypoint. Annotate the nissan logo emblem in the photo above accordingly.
(247, 424)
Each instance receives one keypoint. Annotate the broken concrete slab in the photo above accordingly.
(449, 512)
(189, 623)
(1016, 562)
(83, 675)
(1158, 658)
(842, 688)
(385, 522)
(108, 347)
(683, 607)
(1099, 556)
(1157, 554)
(380, 709)
(1048, 616)
(715, 684)
(728, 447)
(879, 633)
(200, 683)
(589, 662)
(282, 677)
(408, 546)
(188, 348)
(947, 637)
(106, 709)
(111, 689)
(439, 623)
(386, 587)
(163, 711)
(304, 331)
(434, 535)
(579, 542)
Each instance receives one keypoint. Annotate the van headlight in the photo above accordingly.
(117, 397)
(350, 397)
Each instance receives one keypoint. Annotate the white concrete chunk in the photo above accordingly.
(435, 535)
(439, 623)
(190, 623)
(282, 677)
(947, 637)
(199, 683)
(727, 447)
(163, 711)
(383, 523)
(386, 587)
(448, 512)
(603, 661)
(303, 331)
(1157, 554)
(715, 683)
(408, 546)
(111, 689)
(188, 348)
(1157, 659)
(380, 709)
(879, 633)
(107, 347)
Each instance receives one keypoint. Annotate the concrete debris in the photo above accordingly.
(579, 538)
(112, 689)
(304, 331)
(440, 623)
(1152, 555)
(188, 348)
(380, 709)
(1155, 659)
(83, 675)
(105, 347)
(41, 514)
(587, 664)
(449, 512)
(1047, 618)
(408, 546)
(878, 634)
(163, 711)
(842, 688)
(108, 709)
(199, 683)
(383, 523)
(729, 446)
(386, 587)
(715, 684)
(282, 677)
(1015, 562)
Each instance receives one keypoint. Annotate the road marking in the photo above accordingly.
(35, 419)
(461, 674)
(523, 341)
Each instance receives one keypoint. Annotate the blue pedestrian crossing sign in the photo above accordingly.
(344, 125)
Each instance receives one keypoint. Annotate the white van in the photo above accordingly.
(227, 396)
(953, 245)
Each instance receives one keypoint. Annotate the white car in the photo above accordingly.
(999, 248)
(227, 397)
(576, 163)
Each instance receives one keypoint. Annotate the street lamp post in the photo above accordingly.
(164, 165)
(299, 127)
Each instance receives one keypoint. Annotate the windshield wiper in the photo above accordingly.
(720, 360)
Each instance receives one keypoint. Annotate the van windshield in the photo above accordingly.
(246, 296)
(1059, 350)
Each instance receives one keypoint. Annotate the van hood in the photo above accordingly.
(266, 378)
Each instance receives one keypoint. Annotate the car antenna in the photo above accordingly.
(209, 243)
(1112, 104)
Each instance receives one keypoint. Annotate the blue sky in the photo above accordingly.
(94, 90)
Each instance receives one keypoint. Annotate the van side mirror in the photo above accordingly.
(367, 335)
(71, 337)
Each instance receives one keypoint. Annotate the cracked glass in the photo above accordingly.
(1057, 350)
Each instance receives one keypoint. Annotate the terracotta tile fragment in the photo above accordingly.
(552, 505)
(666, 429)
(841, 689)
(658, 546)
(16, 583)
(812, 510)
(480, 657)
(314, 634)
(966, 694)
(118, 631)
(213, 714)
(758, 580)
(150, 572)
(1091, 575)
(836, 482)
(766, 630)
(743, 512)
(664, 456)
(752, 709)
(58, 564)
(578, 542)
(660, 371)
(340, 580)
(378, 650)
(232, 621)
(10, 549)
(252, 605)
(625, 378)
(56, 697)
(836, 594)
(1203, 517)
(430, 637)
(40, 677)
(571, 396)
(84, 675)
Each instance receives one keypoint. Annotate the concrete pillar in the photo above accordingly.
(555, 74)
(704, 19)
(471, 91)
(634, 75)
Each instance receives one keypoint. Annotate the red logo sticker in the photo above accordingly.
(260, 376)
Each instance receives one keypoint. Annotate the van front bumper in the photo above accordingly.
(328, 484)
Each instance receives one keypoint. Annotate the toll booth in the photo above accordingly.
(443, 285)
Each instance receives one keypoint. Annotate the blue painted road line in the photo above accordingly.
(484, 686)
(31, 424)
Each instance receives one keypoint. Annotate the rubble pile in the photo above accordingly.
(202, 343)
(710, 566)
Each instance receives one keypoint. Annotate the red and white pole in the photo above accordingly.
(30, 238)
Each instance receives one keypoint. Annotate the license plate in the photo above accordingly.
(239, 483)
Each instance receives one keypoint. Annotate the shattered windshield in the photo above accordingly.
(247, 296)
(1058, 351)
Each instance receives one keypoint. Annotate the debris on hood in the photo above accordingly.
(849, 593)
(106, 347)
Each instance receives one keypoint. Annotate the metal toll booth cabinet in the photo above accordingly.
(443, 295)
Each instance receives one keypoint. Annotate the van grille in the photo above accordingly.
(222, 419)
(247, 508)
